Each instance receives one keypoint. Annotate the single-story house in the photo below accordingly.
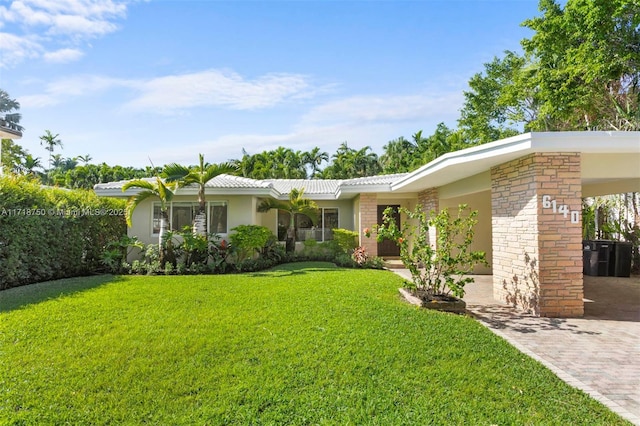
(527, 189)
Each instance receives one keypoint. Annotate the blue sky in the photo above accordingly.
(129, 81)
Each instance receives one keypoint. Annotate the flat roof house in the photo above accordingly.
(527, 189)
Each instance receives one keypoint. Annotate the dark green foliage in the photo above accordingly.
(48, 233)
(249, 239)
(116, 253)
(345, 239)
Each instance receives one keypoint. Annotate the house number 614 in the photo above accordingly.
(549, 203)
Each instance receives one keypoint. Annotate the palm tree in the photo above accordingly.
(50, 141)
(157, 189)
(314, 158)
(296, 205)
(199, 175)
(30, 164)
(84, 158)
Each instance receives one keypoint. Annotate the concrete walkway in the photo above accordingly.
(599, 353)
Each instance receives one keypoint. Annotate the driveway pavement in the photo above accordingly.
(599, 353)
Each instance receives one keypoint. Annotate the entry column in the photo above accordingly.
(368, 219)
(429, 201)
(537, 234)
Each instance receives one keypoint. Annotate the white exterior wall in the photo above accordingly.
(240, 211)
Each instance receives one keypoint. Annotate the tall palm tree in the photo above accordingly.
(160, 190)
(198, 175)
(297, 204)
(50, 141)
(314, 158)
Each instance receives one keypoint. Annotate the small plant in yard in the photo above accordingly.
(115, 255)
(441, 270)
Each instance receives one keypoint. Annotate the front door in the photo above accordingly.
(388, 247)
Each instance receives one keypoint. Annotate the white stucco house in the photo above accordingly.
(528, 190)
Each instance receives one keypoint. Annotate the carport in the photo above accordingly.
(528, 190)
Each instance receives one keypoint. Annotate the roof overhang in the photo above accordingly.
(465, 163)
(8, 133)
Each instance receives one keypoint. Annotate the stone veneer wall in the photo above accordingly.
(429, 200)
(368, 219)
(537, 254)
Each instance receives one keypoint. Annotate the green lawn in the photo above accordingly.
(301, 344)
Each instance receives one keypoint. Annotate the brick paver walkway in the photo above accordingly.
(599, 354)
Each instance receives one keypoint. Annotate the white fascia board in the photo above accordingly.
(511, 147)
(461, 164)
(349, 191)
(315, 197)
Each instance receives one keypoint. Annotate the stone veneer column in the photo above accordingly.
(368, 219)
(429, 200)
(537, 254)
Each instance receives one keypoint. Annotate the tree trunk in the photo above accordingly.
(200, 224)
(164, 220)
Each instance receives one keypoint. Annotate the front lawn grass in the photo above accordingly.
(300, 344)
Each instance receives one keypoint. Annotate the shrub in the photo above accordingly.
(439, 270)
(50, 233)
(249, 239)
(345, 239)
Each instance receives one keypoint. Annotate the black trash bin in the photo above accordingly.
(589, 260)
(620, 262)
(599, 257)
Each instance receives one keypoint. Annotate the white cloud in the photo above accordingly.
(63, 90)
(63, 55)
(219, 88)
(15, 49)
(380, 108)
(169, 94)
(41, 25)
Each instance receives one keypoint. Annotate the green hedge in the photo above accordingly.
(50, 233)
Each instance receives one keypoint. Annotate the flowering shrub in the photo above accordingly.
(442, 269)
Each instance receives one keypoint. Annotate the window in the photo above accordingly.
(329, 223)
(218, 217)
(156, 219)
(305, 230)
(182, 215)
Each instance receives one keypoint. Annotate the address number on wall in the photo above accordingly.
(550, 203)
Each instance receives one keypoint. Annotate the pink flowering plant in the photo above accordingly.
(441, 270)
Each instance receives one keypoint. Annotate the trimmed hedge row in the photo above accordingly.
(51, 233)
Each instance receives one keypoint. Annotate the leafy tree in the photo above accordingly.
(13, 156)
(159, 189)
(586, 60)
(198, 175)
(297, 204)
(492, 107)
(580, 71)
